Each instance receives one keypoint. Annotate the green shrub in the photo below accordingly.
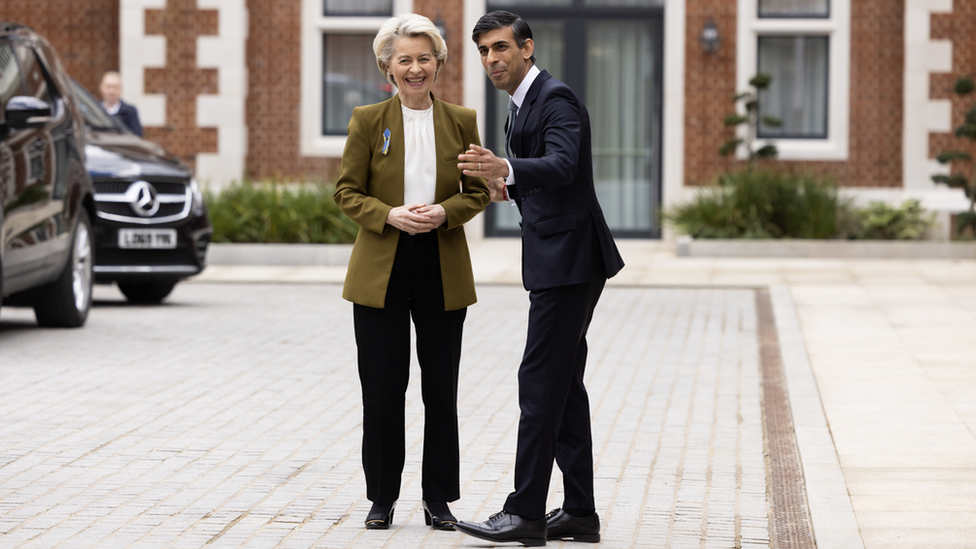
(764, 204)
(881, 221)
(270, 212)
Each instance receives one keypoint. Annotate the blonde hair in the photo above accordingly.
(409, 24)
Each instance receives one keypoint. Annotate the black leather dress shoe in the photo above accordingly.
(380, 516)
(504, 526)
(562, 525)
(438, 515)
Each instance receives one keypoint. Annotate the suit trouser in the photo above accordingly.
(555, 410)
(383, 341)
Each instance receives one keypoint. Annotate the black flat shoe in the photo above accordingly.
(504, 526)
(380, 517)
(561, 525)
(438, 515)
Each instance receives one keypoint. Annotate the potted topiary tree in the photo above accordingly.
(751, 118)
(959, 159)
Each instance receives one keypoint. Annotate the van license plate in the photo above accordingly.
(147, 238)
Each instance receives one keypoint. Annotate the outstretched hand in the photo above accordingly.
(478, 161)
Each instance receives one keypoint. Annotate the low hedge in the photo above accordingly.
(275, 213)
(770, 204)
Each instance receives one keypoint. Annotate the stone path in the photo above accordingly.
(229, 417)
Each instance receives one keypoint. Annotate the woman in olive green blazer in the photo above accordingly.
(410, 260)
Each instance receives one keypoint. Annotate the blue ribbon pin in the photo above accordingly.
(386, 141)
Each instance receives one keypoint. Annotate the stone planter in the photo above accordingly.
(279, 254)
(841, 249)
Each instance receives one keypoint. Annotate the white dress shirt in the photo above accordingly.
(518, 98)
(420, 156)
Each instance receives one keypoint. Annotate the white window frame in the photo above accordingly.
(837, 28)
(315, 25)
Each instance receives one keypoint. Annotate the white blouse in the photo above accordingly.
(420, 156)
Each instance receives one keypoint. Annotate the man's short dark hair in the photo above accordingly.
(500, 19)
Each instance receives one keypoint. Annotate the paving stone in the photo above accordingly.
(230, 416)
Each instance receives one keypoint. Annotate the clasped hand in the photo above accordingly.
(417, 218)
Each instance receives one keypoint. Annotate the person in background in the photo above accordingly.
(400, 182)
(111, 90)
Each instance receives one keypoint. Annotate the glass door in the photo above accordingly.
(612, 58)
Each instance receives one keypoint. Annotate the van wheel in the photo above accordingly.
(65, 302)
(147, 292)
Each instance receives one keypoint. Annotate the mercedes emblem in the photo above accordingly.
(144, 200)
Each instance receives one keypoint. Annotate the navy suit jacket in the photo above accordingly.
(565, 238)
(129, 116)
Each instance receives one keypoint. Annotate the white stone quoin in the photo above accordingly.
(137, 52)
(923, 56)
(226, 52)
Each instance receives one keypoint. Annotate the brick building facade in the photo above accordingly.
(228, 85)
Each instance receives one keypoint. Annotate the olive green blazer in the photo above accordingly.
(371, 183)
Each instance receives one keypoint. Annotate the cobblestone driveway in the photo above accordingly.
(230, 417)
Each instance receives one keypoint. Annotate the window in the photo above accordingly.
(338, 67)
(10, 84)
(797, 94)
(358, 7)
(37, 85)
(804, 45)
(349, 79)
(794, 8)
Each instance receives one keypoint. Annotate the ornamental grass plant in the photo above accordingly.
(766, 204)
(885, 222)
(270, 212)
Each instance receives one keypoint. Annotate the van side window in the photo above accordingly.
(36, 81)
(10, 81)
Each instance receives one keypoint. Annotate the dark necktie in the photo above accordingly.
(512, 111)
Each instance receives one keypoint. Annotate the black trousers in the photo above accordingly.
(383, 342)
(555, 409)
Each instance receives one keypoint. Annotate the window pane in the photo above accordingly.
(10, 84)
(33, 74)
(92, 111)
(506, 4)
(350, 79)
(358, 7)
(625, 3)
(797, 94)
(794, 8)
(620, 97)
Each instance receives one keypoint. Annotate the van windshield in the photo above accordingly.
(95, 116)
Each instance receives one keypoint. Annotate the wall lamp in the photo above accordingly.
(441, 25)
(709, 37)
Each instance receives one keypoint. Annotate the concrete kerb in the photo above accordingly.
(831, 512)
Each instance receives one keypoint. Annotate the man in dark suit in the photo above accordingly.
(568, 255)
(111, 90)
